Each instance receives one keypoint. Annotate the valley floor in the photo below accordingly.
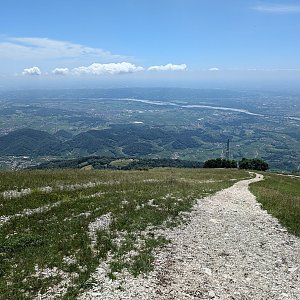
(229, 249)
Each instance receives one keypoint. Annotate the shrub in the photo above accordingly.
(253, 164)
(220, 163)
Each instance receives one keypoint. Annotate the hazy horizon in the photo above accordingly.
(233, 45)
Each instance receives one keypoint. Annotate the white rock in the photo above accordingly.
(207, 271)
(211, 294)
(292, 270)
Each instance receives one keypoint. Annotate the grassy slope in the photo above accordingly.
(137, 200)
(280, 196)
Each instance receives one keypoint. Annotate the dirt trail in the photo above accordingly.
(230, 249)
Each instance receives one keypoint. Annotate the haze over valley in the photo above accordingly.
(188, 124)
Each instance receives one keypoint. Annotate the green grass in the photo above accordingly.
(280, 196)
(139, 202)
(33, 179)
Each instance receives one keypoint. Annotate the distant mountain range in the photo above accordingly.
(118, 140)
(136, 140)
(29, 142)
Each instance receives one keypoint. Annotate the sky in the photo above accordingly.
(197, 43)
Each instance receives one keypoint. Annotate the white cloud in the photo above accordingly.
(32, 71)
(111, 68)
(60, 71)
(278, 8)
(168, 67)
(44, 48)
(214, 69)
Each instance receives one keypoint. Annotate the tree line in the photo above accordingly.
(133, 163)
(245, 163)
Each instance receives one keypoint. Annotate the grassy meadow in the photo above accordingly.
(280, 196)
(46, 238)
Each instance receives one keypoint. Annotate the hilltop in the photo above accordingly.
(66, 232)
(65, 222)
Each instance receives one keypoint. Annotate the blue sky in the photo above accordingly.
(149, 40)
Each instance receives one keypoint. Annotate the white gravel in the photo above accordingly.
(230, 249)
(57, 290)
(101, 223)
(29, 212)
(16, 194)
(10, 194)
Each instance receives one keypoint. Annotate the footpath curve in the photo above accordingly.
(230, 249)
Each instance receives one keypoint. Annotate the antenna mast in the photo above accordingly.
(227, 152)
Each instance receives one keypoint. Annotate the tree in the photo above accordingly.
(253, 164)
(220, 163)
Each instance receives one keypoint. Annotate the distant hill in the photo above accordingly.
(138, 140)
(29, 142)
(132, 139)
(118, 140)
(121, 140)
(63, 135)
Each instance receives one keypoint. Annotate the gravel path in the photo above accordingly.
(230, 249)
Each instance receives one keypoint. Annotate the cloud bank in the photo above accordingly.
(214, 69)
(34, 71)
(111, 68)
(77, 59)
(168, 67)
(98, 69)
(278, 8)
(60, 71)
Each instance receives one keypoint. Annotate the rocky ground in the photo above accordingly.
(230, 249)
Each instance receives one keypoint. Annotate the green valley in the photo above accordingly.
(189, 124)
